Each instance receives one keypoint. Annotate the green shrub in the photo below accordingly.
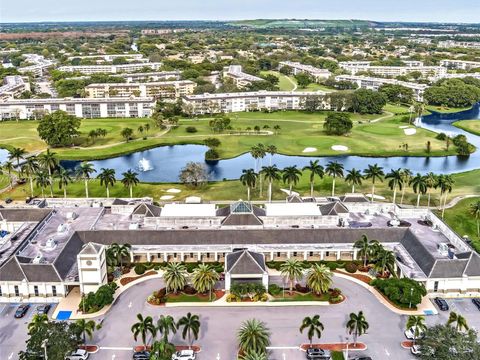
(332, 265)
(401, 291)
(191, 129)
(212, 154)
(351, 267)
(274, 289)
(156, 267)
(139, 269)
(93, 302)
(441, 136)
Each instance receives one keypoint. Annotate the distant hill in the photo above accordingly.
(301, 24)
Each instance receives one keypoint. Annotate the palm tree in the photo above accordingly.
(354, 177)
(261, 152)
(319, 279)
(191, 326)
(385, 259)
(315, 327)
(17, 154)
(29, 169)
(358, 325)
(146, 127)
(253, 336)
(315, 169)
(86, 327)
(130, 180)
(120, 252)
(445, 183)
(271, 173)
(272, 150)
(251, 355)
(42, 180)
(37, 321)
(419, 185)
(126, 133)
(64, 179)
(431, 182)
(364, 247)
(9, 168)
(143, 327)
(406, 174)
(204, 278)
(165, 325)
(48, 161)
(475, 211)
(292, 270)
(417, 322)
(248, 179)
(334, 169)
(107, 178)
(291, 176)
(84, 172)
(175, 276)
(374, 172)
(459, 320)
(395, 181)
(162, 350)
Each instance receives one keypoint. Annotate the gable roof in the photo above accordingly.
(68, 257)
(353, 198)
(147, 210)
(11, 271)
(242, 219)
(245, 262)
(294, 199)
(333, 208)
(24, 214)
(473, 265)
(40, 273)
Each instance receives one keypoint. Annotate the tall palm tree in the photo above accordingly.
(364, 247)
(395, 182)
(29, 169)
(162, 350)
(475, 211)
(248, 179)
(374, 172)
(334, 169)
(37, 322)
(191, 326)
(107, 179)
(253, 336)
(419, 185)
(175, 276)
(64, 178)
(261, 153)
(271, 174)
(417, 322)
(385, 259)
(143, 327)
(85, 170)
(272, 150)
(315, 169)
(130, 179)
(49, 162)
(358, 325)
(165, 325)
(9, 168)
(354, 177)
(445, 183)
(17, 154)
(86, 327)
(406, 176)
(319, 278)
(204, 278)
(291, 176)
(431, 182)
(292, 270)
(42, 180)
(314, 326)
(120, 252)
(459, 321)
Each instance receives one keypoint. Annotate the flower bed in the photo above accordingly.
(188, 295)
(126, 280)
(336, 346)
(90, 348)
(363, 278)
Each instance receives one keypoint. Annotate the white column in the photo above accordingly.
(227, 282)
(216, 256)
(265, 280)
(149, 258)
(288, 254)
(131, 256)
(338, 255)
(355, 254)
(165, 257)
(271, 255)
(304, 255)
(182, 256)
(199, 256)
(322, 255)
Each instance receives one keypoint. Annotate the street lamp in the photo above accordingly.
(218, 356)
(411, 294)
(346, 351)
(44, 346)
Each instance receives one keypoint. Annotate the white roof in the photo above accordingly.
(188, 210)
(292, 209)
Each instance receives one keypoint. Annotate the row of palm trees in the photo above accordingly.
(318, 277)
(44, 169)
(373, 251)
(417, 323)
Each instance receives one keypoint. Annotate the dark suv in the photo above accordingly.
(21, 311)
(318, 354)
(476, 302)
(441, 303)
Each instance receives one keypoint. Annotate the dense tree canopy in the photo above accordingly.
(397, 94)
(453, 93)
(368, 101)
(58, 129)
(338, 124)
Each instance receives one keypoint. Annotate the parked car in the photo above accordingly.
(476, 302)
(8, 200)
(141, 355)
(410, 334)
(184, 355)
(43, 309)
(318, 354)
(441, 303)
(79, 354)
(21, 311)
(416, 350)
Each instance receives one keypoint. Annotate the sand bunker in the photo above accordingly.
(174, 191)
(339, 148)
(410, 131)
(309, 149)
(404, 127)
(378, 197)
(166, 197)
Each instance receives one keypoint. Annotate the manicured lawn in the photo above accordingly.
(284, 84)
(301, 297)
(171, 298)
(472, 126)
(443, 109)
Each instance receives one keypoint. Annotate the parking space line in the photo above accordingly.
(115, 348)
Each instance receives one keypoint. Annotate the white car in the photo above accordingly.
(416, 350)
(410, 334)
(184, 355)
(78, 354)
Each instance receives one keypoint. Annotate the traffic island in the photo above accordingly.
(407, 344)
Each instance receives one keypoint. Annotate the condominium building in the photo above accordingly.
(13, 86)
(163, 89)
(110, 69)
(296, 67)
(249, 101)
(392, 71)
(240, 79)
(161, 31)
(366, 82)
(150, 76)
(40, 64)
(459, 44)
(110, 57)
(80, 107)
(456, 76)
(460, 64)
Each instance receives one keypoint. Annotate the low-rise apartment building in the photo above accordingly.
(159, 90)
(40, 64)
(460, 64)
(314, 72)
(459, 44)
(248, 101)
(150, 76)
(240, 79)
(110, 69)
(80, 107)
(366, 82)
(392, 71)
(13, 86)
(110, 57)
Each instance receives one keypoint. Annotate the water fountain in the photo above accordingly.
(144, 165)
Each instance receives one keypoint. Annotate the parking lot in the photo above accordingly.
(464, 307)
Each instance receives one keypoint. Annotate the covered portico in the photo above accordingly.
(245, 266)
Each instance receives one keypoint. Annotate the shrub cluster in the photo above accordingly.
(191, 129)
(351, 267)
(274, 289)
(400, 292)
(140, 269)
(95, 301)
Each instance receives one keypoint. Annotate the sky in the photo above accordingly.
(379, 10)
